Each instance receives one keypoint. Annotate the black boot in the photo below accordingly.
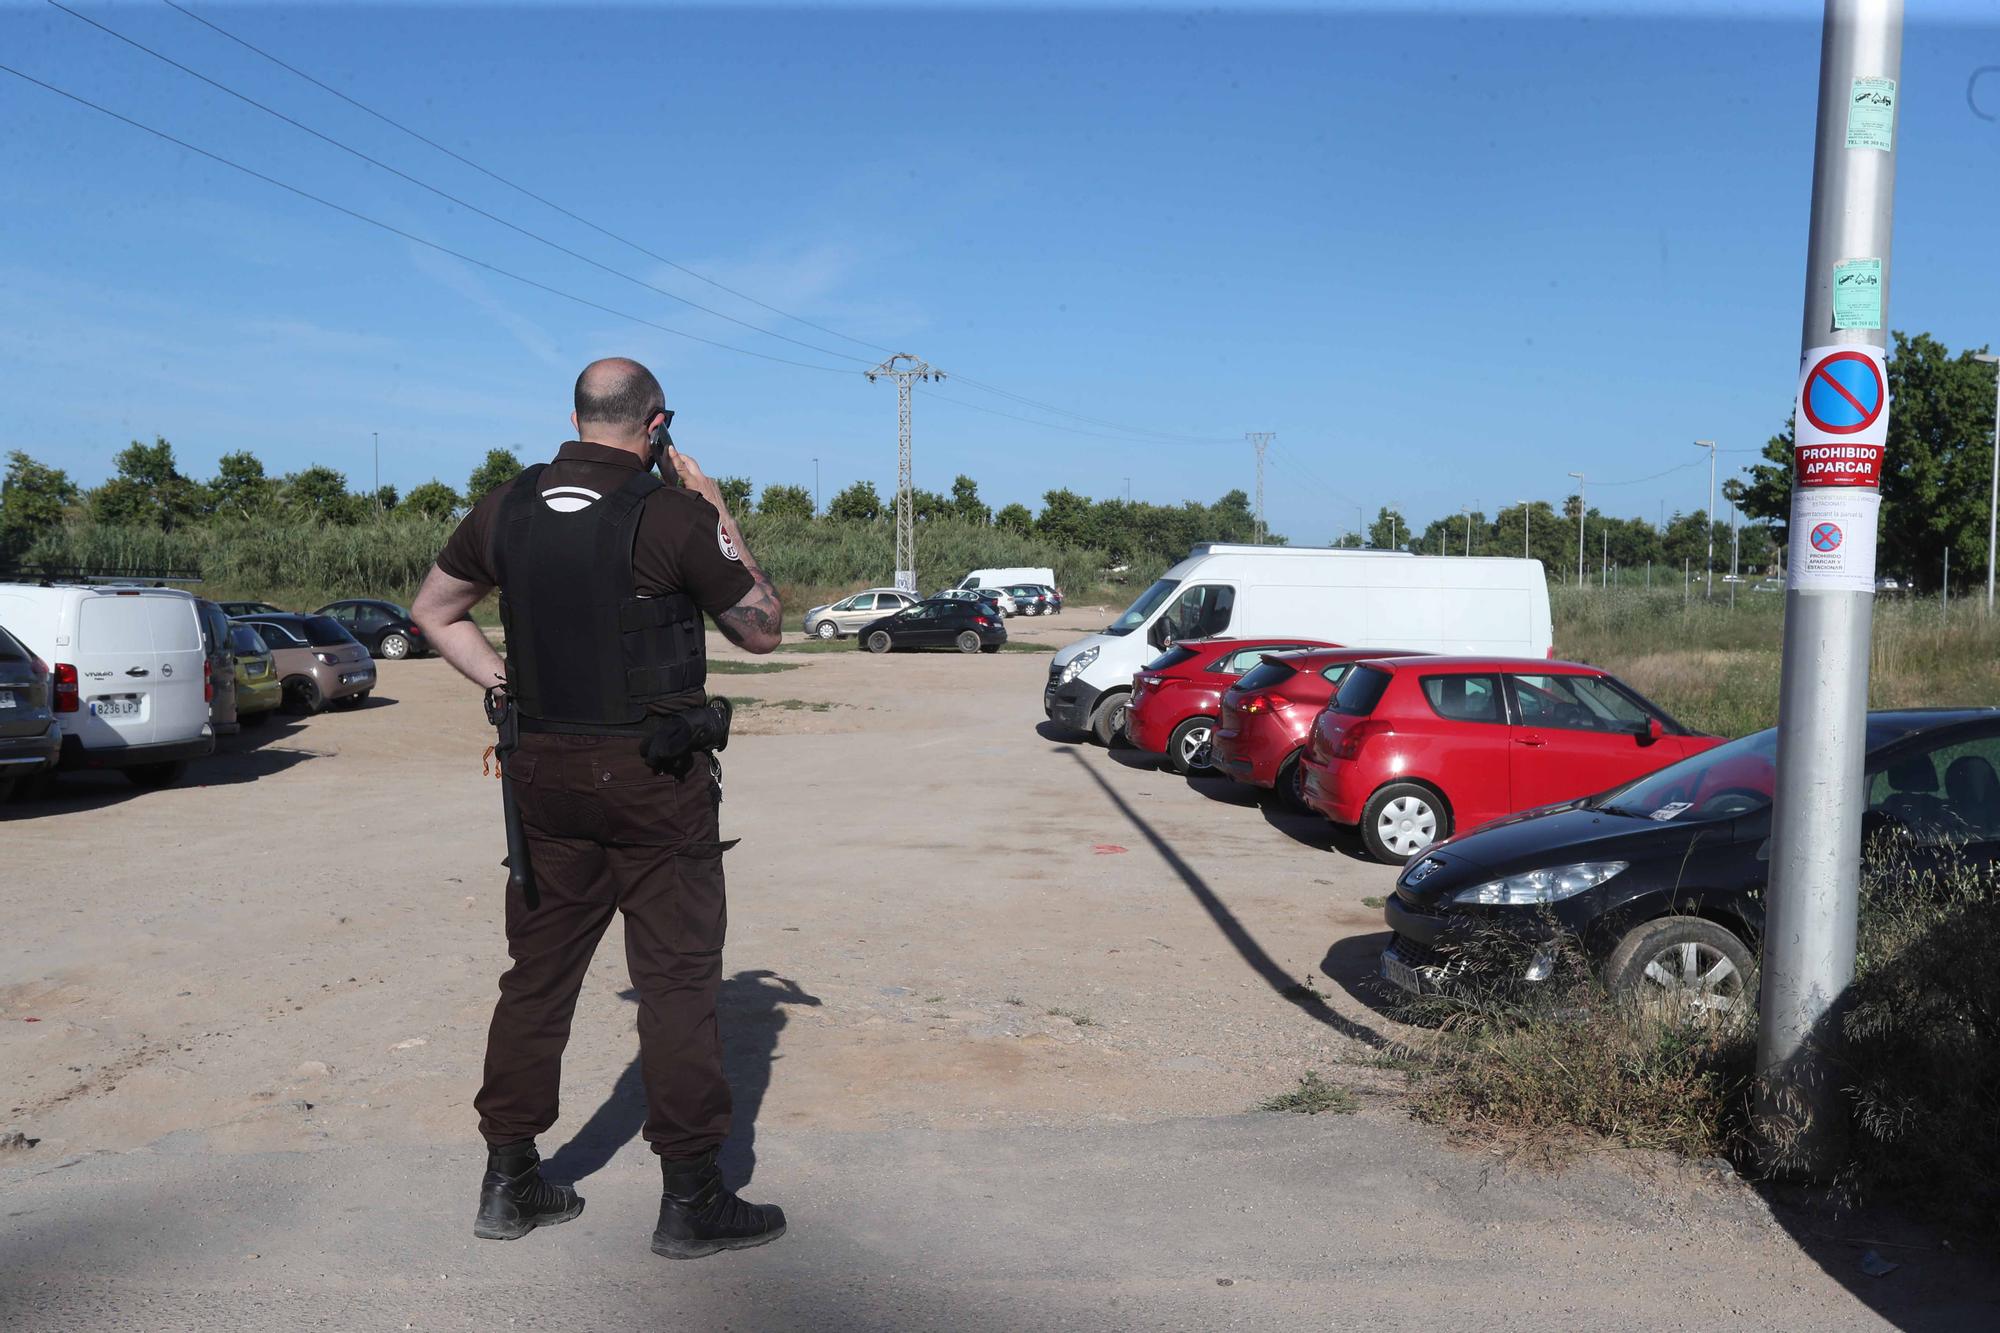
(514, 1199)
(700, 1215)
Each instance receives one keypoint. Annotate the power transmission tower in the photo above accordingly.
(1260, 440)
(902, 368)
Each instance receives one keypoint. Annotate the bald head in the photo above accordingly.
(616, 400)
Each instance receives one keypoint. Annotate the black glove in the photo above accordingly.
(672, 745)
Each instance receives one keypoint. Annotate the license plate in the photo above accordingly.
(7, 699)
(125, 706)
(1399, 973)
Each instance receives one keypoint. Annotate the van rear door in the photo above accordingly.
(138, 658)
(180, 694)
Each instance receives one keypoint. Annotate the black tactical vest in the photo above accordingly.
(585, 652)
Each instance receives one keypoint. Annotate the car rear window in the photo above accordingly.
(243, 639)
(1361, 691)
(278, 636)
(1265, 675)
(11, 649)
(1173, 657)
(326, 632)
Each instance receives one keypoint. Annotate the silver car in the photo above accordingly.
(844, 617)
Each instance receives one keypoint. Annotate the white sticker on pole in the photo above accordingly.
(1843, 396)
(1833, 539)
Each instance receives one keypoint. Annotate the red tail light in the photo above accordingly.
(1266, 703)
(208, 682)
(1356, 736)
(37, 665)
(981, 620)
(67, 695)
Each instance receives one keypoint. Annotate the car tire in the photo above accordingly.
(154, 776)
(395, 646)
(826, 630)
(967, 641)
(1291, 784)
(1190, 736)
(1403, 821)
(1686, 960)
(878, 642)
(302, 697)
(1108, 722)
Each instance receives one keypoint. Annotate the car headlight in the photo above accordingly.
(1540, 886)
(327, 658)
(1075, 666)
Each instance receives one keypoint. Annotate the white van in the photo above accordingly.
(1007, 578)
(1373, 599)
(132, 686)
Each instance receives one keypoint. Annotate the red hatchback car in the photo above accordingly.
(1261, 730)
(1411, 749)
(1177, 698)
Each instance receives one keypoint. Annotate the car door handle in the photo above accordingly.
(137, 671)
(1530, 740)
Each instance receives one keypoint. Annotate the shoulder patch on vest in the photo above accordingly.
(569, 499)
(722, 540)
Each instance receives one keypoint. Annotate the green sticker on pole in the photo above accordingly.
(1871, 114)
(1857, 294)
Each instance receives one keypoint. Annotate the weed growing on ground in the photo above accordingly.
(1312, 1096)
(933, 999)
(1303, 989)
(1077, 1017)
(729, 666)
(1016, 1001)
(1372, 901)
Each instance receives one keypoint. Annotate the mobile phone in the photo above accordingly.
(661, 442)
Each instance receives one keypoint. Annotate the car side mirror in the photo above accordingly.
(1648, 732)
(1157, 635)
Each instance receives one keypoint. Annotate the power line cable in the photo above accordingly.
(1161, 436)
(444, 194)
(1679, 467)
(932, 395)
(513, 185)
(411, 236)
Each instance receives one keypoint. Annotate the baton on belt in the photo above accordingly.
(520, 871)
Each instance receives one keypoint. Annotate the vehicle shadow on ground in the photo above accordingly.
(1354, 964)
(751, 1010)
(243, 756)
(1049, 731)
(1253, 953)
(1304, 827)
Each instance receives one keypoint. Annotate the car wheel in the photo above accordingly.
(302, 696)
(1402, 820)
(1108, 722)
(395, 646)
(1190, 741)
(1684, 962)
(1291, 784)
(826, 629)
(156, 775)
(878, 642)
(967, 641)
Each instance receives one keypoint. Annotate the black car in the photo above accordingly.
(30, 735)
(1662, 880)
(236, 609)
(384, 628)
(941, 622)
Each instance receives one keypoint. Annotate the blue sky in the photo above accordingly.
(1447, 255)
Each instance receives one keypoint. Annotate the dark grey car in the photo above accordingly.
(221, 668)
(30, 736)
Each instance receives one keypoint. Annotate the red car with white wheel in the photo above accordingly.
(1412, 749)
(1261, 731)
(1177, 698)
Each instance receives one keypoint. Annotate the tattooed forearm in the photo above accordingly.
(756, 622)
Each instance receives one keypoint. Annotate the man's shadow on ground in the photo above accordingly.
(751, 1010)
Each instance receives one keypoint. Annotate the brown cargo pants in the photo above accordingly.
(607, 834)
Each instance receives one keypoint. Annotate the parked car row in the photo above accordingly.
(141, 680)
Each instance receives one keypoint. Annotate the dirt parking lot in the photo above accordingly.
(996, 1007)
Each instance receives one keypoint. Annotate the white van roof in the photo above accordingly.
(1251, 548)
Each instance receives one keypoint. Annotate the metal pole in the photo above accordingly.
(1604, 560)
(1993, 504)
(1708, 514)
(378, 467)
(1527, 517)
(1580, 511)
(1814, 888)
(903, 368)
(815, 488)
(1468, 529)
(1946, 590)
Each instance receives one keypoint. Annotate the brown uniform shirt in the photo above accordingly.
(681, 545)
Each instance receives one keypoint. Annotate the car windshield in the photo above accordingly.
(325, 632)
(1264, 675)
(1171, 658)
(1142, 610)
(1723, 783)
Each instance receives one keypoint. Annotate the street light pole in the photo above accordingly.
(815, 488)
(1708, 515)
(1579, 527)
(378, 467)
(1468, 530)
(1992, 504)
(1527, 520)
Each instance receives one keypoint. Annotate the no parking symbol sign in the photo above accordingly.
(1841, 426)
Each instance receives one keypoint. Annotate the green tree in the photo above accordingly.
(319, 492)
(965, 500)
(858, 503)
(239, 488)
(500, 466)
(384, 499)
(1390, 531)
(433, 500)
(149, 490)
(33, 499)
(1065, 517)
(735, 493)
(792, 501)
(927, 505)
(1015, 518)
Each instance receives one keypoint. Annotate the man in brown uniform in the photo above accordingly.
(605, 575)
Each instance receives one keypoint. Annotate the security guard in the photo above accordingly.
(605, 573)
